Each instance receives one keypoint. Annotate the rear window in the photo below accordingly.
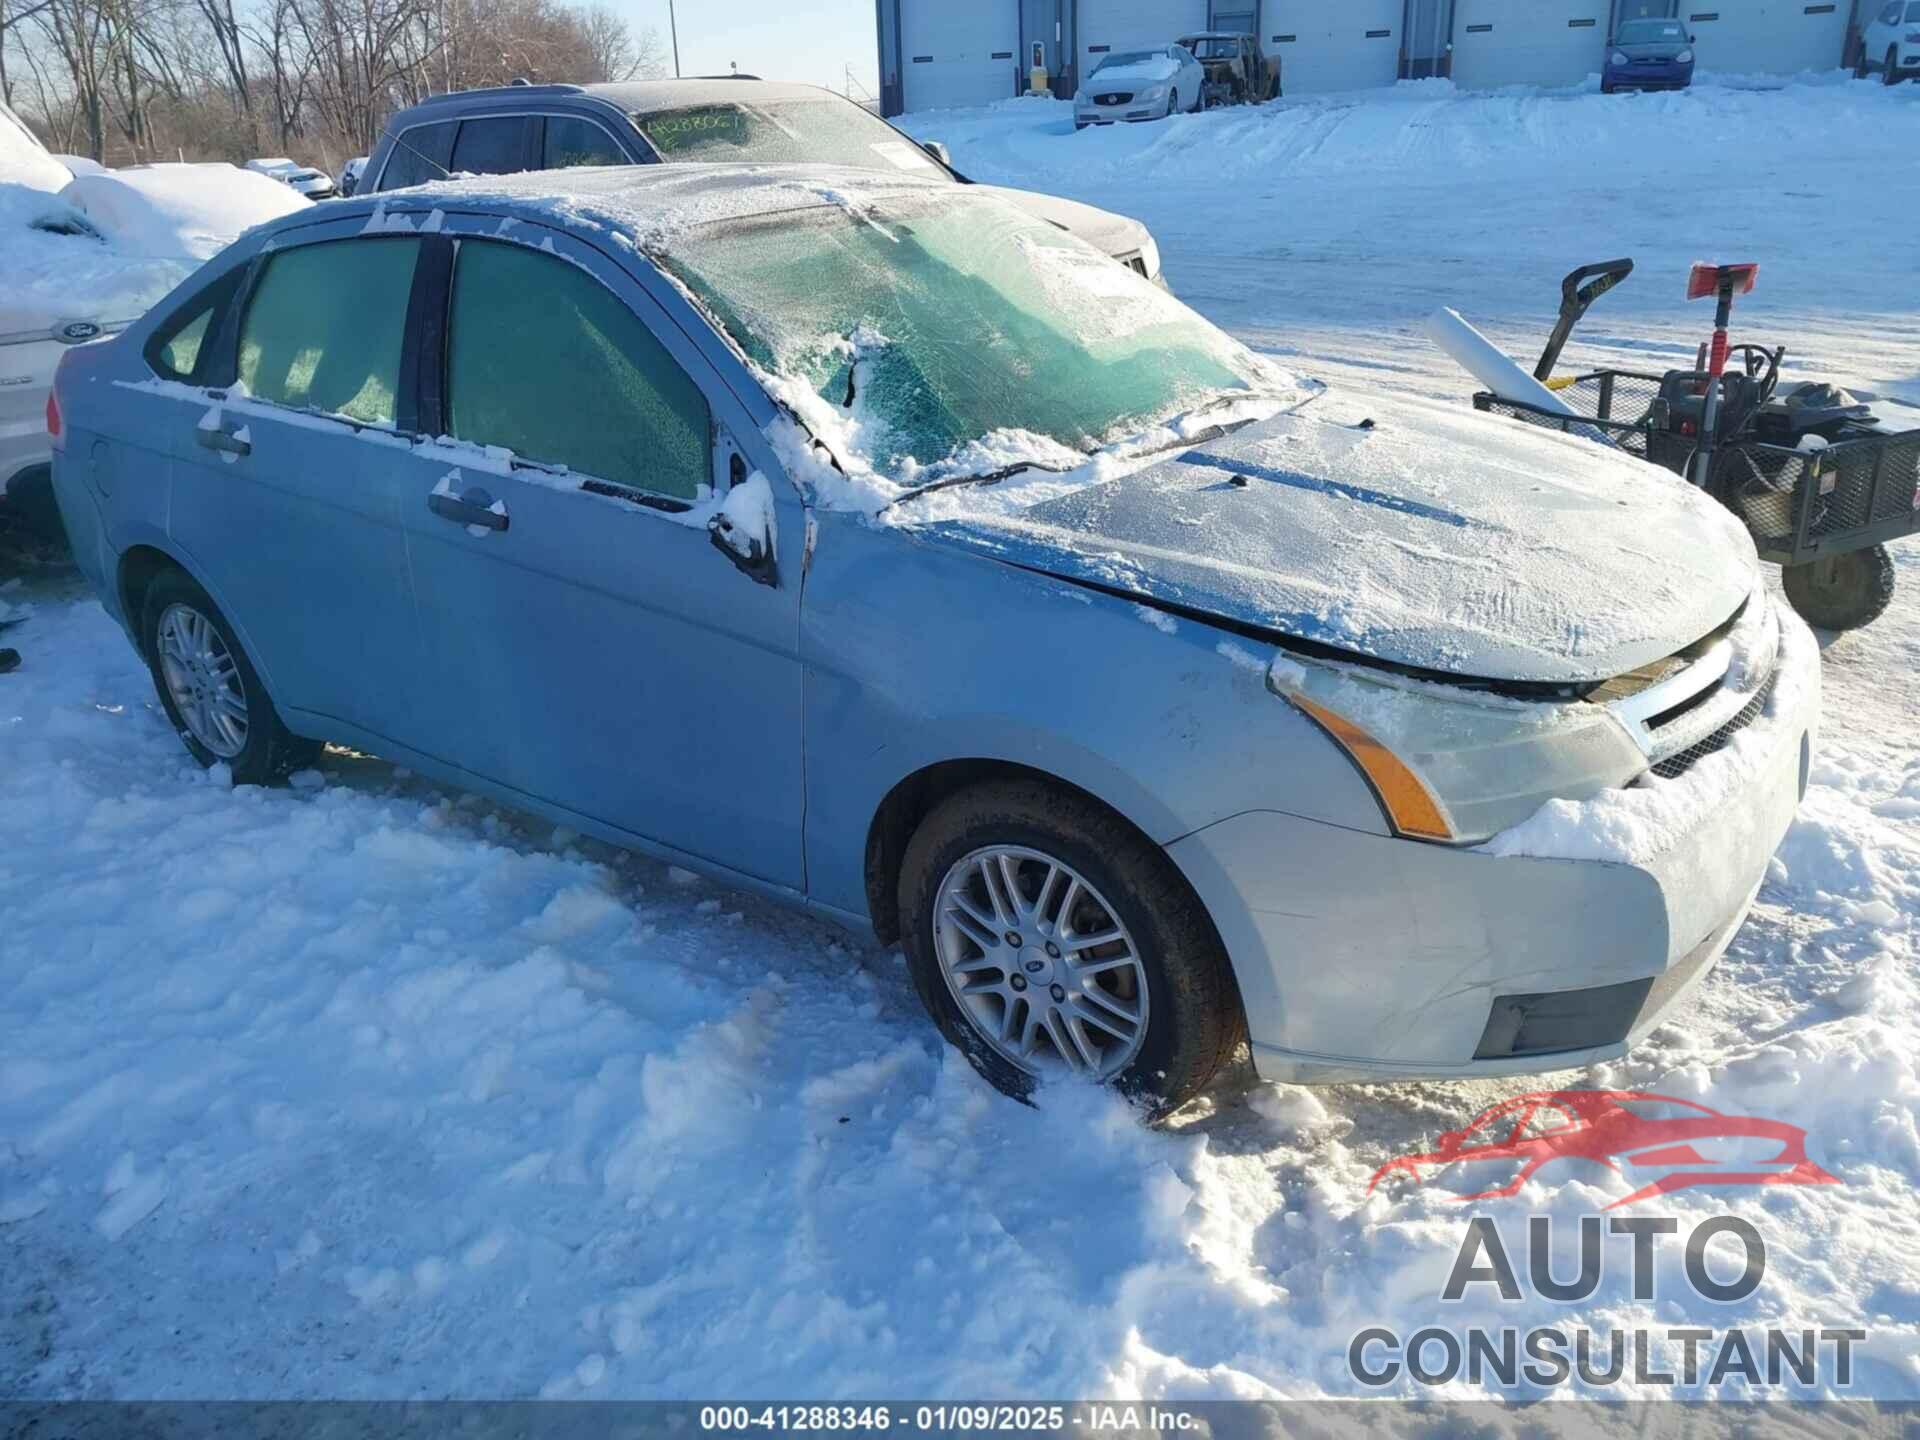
(573, 141)
(179, 349)
(325, 326)
(419, 155)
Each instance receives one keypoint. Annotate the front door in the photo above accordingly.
(589, 645)
(285, 494)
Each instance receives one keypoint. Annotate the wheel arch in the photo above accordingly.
(140, 566)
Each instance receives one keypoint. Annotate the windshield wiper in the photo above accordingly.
(994, 477)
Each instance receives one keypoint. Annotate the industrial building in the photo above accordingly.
(939, 53)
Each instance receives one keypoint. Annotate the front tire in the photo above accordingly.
(1892, 76)
(1049, 938)
(210, 690)
(1173, 102)
(1841, 592)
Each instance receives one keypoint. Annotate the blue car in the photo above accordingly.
(870, 544)
(1648, 55)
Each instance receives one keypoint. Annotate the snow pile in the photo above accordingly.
(25, 161)
(179, 211)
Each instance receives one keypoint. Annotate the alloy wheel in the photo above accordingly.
(203, 680)
(1040, 963)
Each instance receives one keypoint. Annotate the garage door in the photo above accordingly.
(957, 54)
(1108, 26)
(1766, 37)
(1334, 44)
(1527, 42)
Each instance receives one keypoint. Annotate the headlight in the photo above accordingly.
(1685, 57)
(1452, 764)
(1154, 92)
(1620, 58)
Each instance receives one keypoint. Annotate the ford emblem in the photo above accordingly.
(76, 332)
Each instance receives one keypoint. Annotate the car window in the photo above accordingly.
(1913, 12)
(1650, 32)
(175, 349)
(419, 155)
(827, 130)
(323, 330)
(491, 145)
(548, 362)
(573, 141)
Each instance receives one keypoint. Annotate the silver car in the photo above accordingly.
(1139, 85)
(907, 561)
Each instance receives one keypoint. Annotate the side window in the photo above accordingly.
(545, 360)
(419, 155)
(324, 327)
(176, 349)
(493, 145)
(573, 141)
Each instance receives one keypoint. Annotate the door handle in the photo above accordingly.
(464, 511)
(227, 442)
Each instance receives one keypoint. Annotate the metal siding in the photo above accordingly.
(1335, 44)
(1528, 42)
(1107, 26)
(948, 52)
(1765, 37)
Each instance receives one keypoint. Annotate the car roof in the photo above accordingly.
(632, 96)
(644, 203)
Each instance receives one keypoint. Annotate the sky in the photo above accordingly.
(807, 40)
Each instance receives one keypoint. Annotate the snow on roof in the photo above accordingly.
(648, 203)
(179, 211)
(24, 160)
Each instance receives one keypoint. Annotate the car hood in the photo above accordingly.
(1115, 234)
(1416, 533)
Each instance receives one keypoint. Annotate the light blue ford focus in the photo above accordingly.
(877, 547)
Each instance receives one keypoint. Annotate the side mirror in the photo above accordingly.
(743, 530)
(938, 151)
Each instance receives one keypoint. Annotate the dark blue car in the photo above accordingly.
(1648, 55)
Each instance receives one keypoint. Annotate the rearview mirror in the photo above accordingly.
(938, 151)
(743, 530)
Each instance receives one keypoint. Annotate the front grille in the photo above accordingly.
(1681, 761)
(1113, 97)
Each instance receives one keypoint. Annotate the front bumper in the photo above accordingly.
(1647, 77)
(1089, 114)
(1361, 957)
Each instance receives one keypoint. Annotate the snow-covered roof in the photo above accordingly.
(648, 203)
(24, 160)
(187, 211)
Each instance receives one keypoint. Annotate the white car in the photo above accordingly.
(90, 260)
(1139, 85)
(312, 183)
(1890, 40)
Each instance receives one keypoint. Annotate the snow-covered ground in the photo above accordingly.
(365, 1088)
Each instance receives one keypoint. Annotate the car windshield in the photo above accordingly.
(944, 322)
(827, 131)
(1214, 49)
(1651, 32)
(1129, 57)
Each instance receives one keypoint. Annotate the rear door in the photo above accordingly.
(588, 645)
(286, 493)
(956, 55)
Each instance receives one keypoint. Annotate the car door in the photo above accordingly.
(589, 645)
(285, 489)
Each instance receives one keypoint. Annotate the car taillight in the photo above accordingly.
(56, 435)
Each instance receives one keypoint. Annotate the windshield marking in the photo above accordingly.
(1329, 487)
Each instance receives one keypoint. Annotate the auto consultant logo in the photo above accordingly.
(1667, 1143)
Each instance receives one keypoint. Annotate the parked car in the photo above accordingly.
(1236, 71)
(1890, 40)
(1144, 702)
(314, 184)
(85, 264)
(740, 120)
(350, 174)
(1648, 55)
(1139, 85)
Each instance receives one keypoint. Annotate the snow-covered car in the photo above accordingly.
(508, 129)
(91, 260)
(81, 165)
(1890, 40)
(1648, 55)
(312, 183)
(963, 587)
(350, 174)
(1139, 85)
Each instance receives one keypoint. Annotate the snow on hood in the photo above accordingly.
(55, 268)
(1434, 537)
(179, 211)
(1140, 72)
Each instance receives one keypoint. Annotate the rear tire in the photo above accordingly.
(212, 694)
(1166, 963)
(1842, 592)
